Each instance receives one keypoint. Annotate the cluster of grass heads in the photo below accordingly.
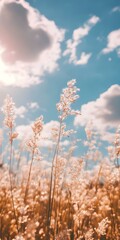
(63, 200)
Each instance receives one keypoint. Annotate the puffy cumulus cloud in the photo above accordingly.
(21, 42)
(47, 129)
(113, 42)
(20, 111)
(24, 132)
(77, 37)
(29, 44)
(84, 58)
(46, 138)
(46, 132)
(104, 113)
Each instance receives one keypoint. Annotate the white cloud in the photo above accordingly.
(116, 9)
(113, 42)
(104, 112)
(78, 35)
(65, 143)
(30, 44)
(93, 21)
(84, 58)
(25, 131)
(46, 140)
(46, 133)
(20, 111)
(33, 105)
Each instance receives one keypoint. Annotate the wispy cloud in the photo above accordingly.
(104, 112)
(33, 105)
(113, 42)
(116, 9)
(30, 44)
(77, 37)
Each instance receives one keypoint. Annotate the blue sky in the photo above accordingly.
(44, 44)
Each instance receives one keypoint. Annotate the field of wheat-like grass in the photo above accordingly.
(66, 197)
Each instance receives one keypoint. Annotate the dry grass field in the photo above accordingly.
(64, 199)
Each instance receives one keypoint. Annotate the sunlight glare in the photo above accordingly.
(6, 77)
